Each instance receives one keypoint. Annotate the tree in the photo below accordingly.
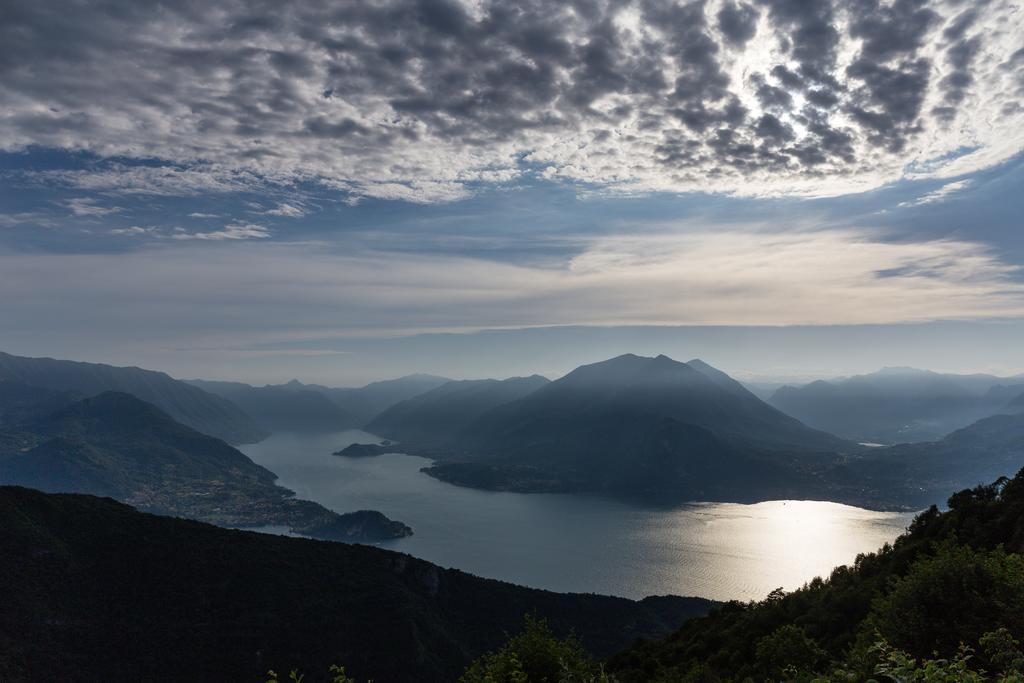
(536, 656)
(788, 653)
(953, 597)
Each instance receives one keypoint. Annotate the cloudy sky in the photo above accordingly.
(343, 191)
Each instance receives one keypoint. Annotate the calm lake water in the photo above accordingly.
(581, 543)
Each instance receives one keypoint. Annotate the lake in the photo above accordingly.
(582, 543)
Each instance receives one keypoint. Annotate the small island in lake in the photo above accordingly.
(363, 450)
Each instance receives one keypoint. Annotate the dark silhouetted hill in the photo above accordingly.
(93, 590)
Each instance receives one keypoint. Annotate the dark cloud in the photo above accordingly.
(891, 100)
(890, 30)
(893, 79)
(738, 22)
(810, 34)
(957, 82)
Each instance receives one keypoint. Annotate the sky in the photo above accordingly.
(343, 192)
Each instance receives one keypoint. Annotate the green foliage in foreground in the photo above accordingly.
(537, 656)
(336, 675)
(945, 602)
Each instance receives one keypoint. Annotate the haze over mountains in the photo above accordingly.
(117, 445)
(282, 407)
(648, 428)
(189, 405)
(436, 415)
(658, 429)
(898, 404)
(299, 407)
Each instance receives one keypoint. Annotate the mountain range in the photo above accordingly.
(298, 407)
(117, 445)
(653, 429)
(93, 590)
(366, 402)
(283, 408)
(897, 405)
(187, 404)
(660, 430)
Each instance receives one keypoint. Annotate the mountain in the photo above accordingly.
(187, 404)
(1016, 405)
(691, 393)
(365, 403)
(434, 416)
(646, 426)
(897, 404)
(94, 590)
(119, 446)
(953, 580)
(283, 408)
(20, 402)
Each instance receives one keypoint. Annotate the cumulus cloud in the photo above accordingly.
(424, 100)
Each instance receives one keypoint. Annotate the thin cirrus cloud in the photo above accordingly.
(940, 194)
(423, 101)
(250, 292)
(286, 210)
(232, 231)
(87, 206)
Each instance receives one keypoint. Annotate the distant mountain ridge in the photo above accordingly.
(116, 445)
(366, 402)
(434, 416)
(20, 402)
(294, 406)
(919, 472)
(897, 404)
(189, 405)
(283, 408)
